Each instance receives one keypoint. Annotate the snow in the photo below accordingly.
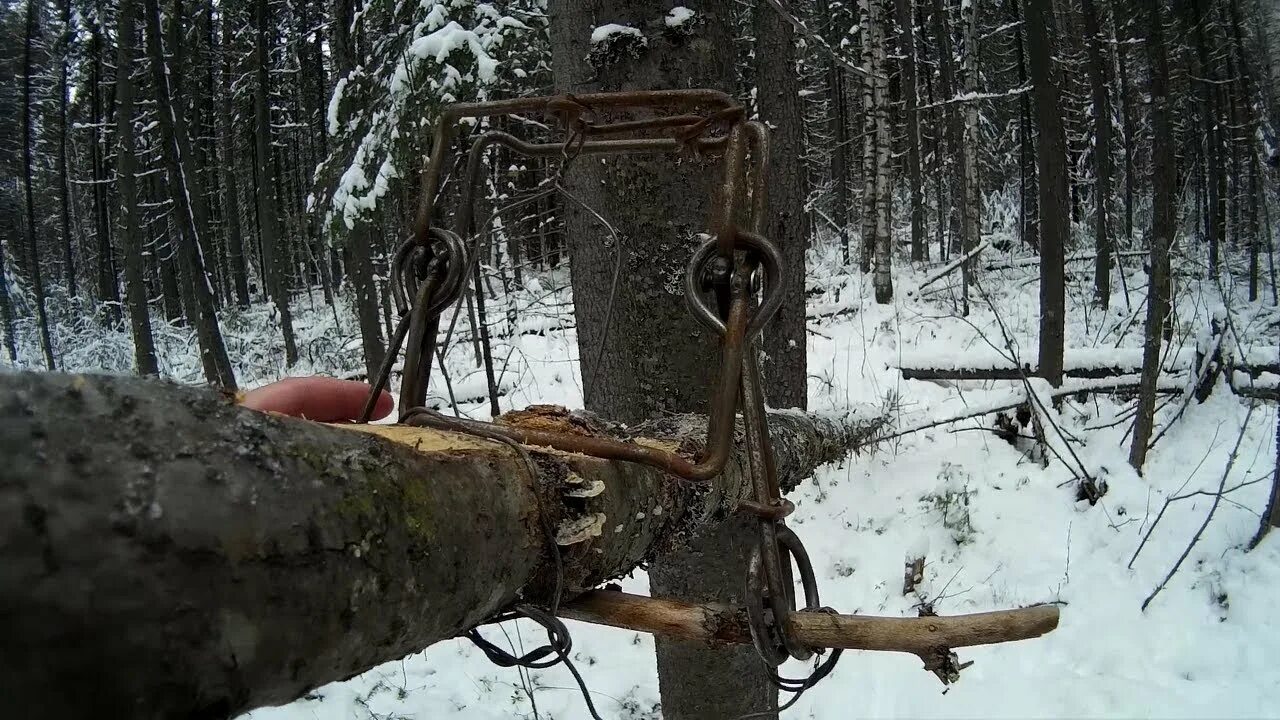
(998, 529)
(335, 103)
(445, 40)
(605, 33)
(453, 52)
(678, 16)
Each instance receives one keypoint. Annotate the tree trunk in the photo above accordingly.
(915, 177)
(1244, 89)
(205, 140)
(1051, 162)
(1101, 115)
(972, 196)
(275, 255)
(360, 267)
(870, 137)
(838, 121)
(882, 280)
(840, 155)
(188, 208)
(28, 177)
(230, 179)
(1164, 220)
(1121, 33)
(785, 341)
(108, 291)
(1205, 75)
(6, 311)
(135, 286)
(654, 359)
(224, 559)
(63, 169)
(1028, 207)
(1271, 517)
(167, 260)
(953, 123)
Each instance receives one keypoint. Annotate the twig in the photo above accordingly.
(1217, 498)
(1146, 536)
(1042, 411)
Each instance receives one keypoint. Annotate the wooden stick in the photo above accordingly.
(922, 636)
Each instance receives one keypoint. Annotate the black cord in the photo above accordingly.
(798, 686)
(555, 652)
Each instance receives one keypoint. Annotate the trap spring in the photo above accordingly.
(430, 270)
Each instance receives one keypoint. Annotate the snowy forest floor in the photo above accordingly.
(998, 529)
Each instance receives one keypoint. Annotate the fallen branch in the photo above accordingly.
(954, 265)
(926, 637)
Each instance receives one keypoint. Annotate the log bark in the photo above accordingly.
(168, 553)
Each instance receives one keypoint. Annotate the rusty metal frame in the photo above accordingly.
(429, 267)
(686, 132)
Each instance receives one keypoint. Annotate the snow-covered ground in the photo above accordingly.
(998, 529)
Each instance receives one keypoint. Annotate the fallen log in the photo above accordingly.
(1079, 363)
(1019, 397)
(165, 553)
(1008, 373)
(1034, 260)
